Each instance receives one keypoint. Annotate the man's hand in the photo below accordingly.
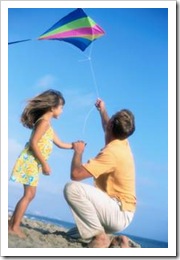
(79, 147)
(100, 105)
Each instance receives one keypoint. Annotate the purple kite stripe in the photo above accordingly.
(81, 32)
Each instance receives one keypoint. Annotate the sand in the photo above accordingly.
(44, 235)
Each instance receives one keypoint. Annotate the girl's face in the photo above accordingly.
(57, 110)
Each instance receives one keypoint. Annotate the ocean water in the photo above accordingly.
(144, 242)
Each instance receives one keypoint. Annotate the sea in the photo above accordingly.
(144, 242)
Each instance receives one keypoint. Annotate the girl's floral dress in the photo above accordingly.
(27, 168)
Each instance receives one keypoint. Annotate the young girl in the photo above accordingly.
(33, 159)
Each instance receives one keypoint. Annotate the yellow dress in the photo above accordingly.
(27, 168)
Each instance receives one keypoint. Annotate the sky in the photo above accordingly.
(129, 70)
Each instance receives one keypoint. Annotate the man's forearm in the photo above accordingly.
(76, 163)
(104, 118)
(78, 172)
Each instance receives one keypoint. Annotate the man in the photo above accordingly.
(108, 206)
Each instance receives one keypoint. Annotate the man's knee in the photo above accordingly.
(70, 190)
(73, 191)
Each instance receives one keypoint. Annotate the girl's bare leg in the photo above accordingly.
(14, 222)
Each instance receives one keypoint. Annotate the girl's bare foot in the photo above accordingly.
(17, 232)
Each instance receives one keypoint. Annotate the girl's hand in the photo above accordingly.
(46, 170)
(100, 105)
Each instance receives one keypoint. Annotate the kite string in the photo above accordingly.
(94, 78)
(86, 119)
(89, 59)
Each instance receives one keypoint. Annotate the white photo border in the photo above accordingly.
(171, 250)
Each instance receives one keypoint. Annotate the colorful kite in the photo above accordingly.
(76, 28)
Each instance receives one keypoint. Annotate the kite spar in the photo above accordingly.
(76, 28)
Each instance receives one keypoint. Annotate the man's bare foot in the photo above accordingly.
(100, 241)
(124, 242)
(120, 241)
(16, 231)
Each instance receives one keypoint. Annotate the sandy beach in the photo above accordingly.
(44, 235)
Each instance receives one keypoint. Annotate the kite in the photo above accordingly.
(76, 28)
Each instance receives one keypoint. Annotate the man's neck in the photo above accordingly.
(109, 139)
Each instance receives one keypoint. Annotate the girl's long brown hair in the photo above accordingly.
(39, 105)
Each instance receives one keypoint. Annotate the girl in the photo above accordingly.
(33, 159)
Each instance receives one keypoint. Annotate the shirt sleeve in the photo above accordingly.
(103, 163)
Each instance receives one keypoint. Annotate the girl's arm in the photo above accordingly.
(40, 129)
(61, 144)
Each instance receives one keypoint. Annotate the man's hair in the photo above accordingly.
(123, 124)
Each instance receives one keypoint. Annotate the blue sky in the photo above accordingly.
(130, 65)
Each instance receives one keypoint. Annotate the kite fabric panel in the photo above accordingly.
(76, 28)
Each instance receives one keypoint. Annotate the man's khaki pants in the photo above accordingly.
(94, 211)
